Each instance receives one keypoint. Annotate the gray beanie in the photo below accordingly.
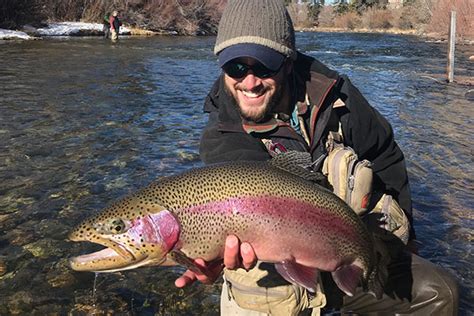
(262, 22)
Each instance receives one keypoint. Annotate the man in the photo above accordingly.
(106, 25)
(115, 24)
(271, 98)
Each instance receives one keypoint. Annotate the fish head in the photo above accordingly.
(134, 236)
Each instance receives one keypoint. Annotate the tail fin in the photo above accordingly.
(378, 276)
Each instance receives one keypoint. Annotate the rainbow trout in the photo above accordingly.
(296, 224)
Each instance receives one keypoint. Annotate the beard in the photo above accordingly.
(264, 112)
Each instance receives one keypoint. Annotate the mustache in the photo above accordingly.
(258, 89)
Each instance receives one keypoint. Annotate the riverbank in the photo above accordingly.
(70, 29)
(96, 29)
(438, 37)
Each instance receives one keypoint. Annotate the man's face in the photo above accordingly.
(257, 98)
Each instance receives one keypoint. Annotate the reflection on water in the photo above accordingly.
(84, 121)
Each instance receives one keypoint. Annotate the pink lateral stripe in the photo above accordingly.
(278, 209)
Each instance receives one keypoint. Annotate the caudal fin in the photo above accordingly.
(379, 274)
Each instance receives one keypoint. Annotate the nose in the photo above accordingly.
(250, 81)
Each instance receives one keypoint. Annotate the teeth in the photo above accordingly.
(249, 94)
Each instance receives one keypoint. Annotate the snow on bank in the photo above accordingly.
(9, 34)
(60, 29)
(74, 28)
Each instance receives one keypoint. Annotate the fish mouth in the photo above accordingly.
(106, 260)
(115, 257)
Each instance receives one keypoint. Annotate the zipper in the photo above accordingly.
(351, 170)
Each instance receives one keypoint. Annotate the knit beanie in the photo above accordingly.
(262, 22)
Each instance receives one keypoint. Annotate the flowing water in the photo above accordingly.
(84, 121)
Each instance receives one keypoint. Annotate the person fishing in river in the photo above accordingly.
(115, 25)
(106, 25)
(269, 99)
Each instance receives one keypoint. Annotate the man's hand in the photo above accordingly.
(236, 255)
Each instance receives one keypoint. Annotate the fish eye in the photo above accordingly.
(117, 226)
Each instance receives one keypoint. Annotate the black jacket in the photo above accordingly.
(227, 138)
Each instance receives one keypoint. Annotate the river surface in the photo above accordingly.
(84, 122)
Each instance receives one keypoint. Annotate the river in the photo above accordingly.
(84, 121)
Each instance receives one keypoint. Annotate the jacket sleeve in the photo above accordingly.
(371, 136)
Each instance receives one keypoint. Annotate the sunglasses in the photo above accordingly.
(239, 70)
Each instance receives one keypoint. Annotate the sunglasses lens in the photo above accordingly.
(235, 70)
(238, 70)
(263, 72)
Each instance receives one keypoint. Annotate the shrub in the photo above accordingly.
(374, 18)
(326, 16)
(350, 20)
(15, 13)
(440, 19)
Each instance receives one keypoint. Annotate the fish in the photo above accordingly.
(292, 222)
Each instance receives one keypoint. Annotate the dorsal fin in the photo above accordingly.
(299, 164)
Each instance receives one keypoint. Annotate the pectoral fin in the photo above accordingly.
(298, 274)
(180, 258)
(347, 278)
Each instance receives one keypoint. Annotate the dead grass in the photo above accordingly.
(194, 17)
(441, 14)
(422, 17)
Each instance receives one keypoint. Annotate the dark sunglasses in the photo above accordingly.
(239, 70)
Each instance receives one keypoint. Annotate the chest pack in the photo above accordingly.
(350, 178)
(352, 181)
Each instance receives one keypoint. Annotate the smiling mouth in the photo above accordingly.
(252, 95)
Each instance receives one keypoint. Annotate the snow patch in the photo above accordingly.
(9, 34)
(60, 29)
(74, 28)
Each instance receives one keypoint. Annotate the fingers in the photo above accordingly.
(190, 277)
(238, 255)
(249, 259)
(186, 279)
(204, 278)
(231, 252)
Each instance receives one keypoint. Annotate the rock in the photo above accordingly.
(44, 248)
(59, 275)
(3, 267)
(470, 95)
(471, 58)
(20, 303)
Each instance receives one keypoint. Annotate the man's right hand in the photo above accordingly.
(236, 255)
